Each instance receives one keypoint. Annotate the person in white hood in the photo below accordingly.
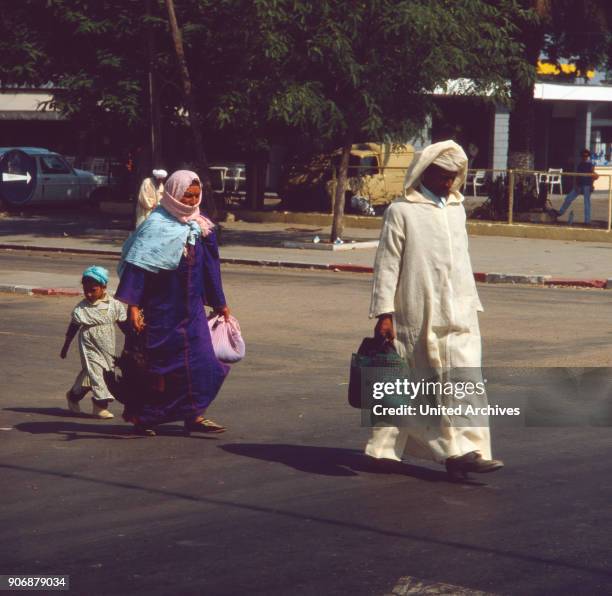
(150, 194)
(425, 299)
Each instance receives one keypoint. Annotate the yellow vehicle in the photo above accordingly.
(375, 177)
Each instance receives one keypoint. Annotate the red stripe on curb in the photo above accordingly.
(76, 251)
(265, 263)
(352, 268)
(480, 277)
(55, 292)
(577, 283)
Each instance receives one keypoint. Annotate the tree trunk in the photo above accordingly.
(154, 107)
(255, 182)
(522, 124)
(250, 171)
(521, 146)
(201, 161)
(338, 223)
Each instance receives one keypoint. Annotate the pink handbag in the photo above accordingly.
(226, 339)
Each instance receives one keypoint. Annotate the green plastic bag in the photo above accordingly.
(374, 352)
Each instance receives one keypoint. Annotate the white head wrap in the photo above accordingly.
(160, 174)
(449, 160)
(445, 154)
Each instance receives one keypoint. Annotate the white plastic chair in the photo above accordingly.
(235, 176)
(478, 180)
(554, 179)
(222, 172)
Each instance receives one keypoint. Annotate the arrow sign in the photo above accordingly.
(16, 177)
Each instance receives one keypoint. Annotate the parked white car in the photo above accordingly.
(33, 175)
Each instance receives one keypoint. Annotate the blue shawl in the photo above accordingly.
(158, 242)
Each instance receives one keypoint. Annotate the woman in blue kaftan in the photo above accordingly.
(169, 271)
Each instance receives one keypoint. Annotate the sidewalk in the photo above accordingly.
(495, 259)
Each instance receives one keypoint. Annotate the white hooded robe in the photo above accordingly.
(423, 276)
(149, 197)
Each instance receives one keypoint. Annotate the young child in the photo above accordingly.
(94, 318)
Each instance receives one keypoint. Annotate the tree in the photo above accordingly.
(192, 109)
(350, 70)
(100, 59)
(93, 56)
(577, 31)
(333, 72)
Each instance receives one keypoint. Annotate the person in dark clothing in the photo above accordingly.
(583, 186)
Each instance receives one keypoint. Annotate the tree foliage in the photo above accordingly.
(577, 31)
(266, 70)
(371, 66)
(310, 65)
(367, 70)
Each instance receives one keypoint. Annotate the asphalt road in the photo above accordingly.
(284, 503)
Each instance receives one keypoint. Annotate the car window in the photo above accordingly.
(53, 164)
(358, 165)
(363, 166)
(16, 163)
(369, 165)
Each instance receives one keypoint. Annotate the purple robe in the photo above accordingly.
(177, 340)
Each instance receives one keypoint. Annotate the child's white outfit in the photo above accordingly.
(96, 345)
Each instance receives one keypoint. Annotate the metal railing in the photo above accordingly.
(508, 195)
(492, 181)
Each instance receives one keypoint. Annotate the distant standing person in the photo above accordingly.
(150, 194)
(583, 186)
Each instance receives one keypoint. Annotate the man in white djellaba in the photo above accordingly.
(425, 299)
(150, 194)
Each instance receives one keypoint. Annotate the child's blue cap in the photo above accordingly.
(97, 273)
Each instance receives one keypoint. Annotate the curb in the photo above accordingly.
(76, 251)
(33, 291)
(603, 284)
(331, 247)
(489, 278)
(264, 263)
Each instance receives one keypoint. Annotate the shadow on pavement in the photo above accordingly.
(73, 431)
(468, 549)
(60, 412)
(330, 461)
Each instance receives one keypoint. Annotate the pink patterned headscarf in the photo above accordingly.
(174, 189)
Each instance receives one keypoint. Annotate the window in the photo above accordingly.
(17, 163)
(369, 166)
(53, 164)
(360, 166)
